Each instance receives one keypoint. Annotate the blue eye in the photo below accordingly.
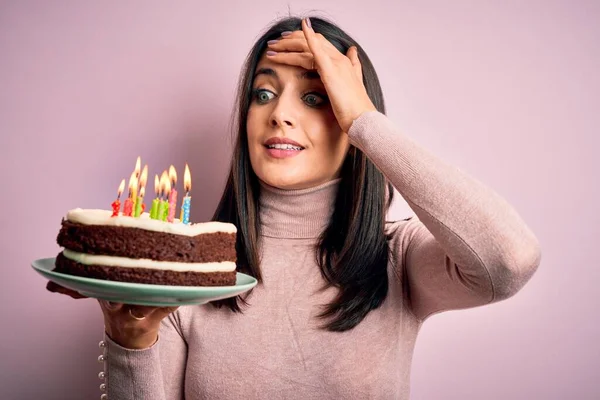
(314, 99)
(262, 96)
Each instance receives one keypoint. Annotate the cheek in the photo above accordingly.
(327, 136)
(253, 124)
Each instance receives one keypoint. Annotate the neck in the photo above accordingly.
(298, 213)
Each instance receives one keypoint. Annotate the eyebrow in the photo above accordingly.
(310, 75)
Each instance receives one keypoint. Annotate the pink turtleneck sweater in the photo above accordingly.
(465, 247)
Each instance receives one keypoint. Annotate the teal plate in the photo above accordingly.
(143, 294)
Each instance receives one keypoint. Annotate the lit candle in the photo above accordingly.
(139, 201)
(173, 194)
(116, 205)
(162, 203)
(165, 216)
(187, 186)
(136, 171)
(128, 206)
(154, 208)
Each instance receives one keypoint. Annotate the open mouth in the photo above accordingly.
(284, 147)
(283, 150)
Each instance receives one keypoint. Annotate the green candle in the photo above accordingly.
(154, 209)
(139, 205)
(165, 214)
(161, 209)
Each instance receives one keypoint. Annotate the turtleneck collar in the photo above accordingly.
(296, 214)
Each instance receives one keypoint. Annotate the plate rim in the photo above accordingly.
(35, 264)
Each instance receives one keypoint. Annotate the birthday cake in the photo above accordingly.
(130, 245)
(144, 250)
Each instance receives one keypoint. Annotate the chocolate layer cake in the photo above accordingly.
(144, 250)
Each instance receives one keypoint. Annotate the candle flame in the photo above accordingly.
(144, 177)
(156, 185)
(138, 166)
(164, 180)
(187, 179)
(132, 183)
(121, 188)
(173, 175)
(142, 191)
(167, 188)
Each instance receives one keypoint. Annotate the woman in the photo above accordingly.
(343, 293)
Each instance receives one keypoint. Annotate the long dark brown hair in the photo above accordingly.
(351, 252)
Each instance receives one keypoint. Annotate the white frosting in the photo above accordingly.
(103, 217)
(125, 262)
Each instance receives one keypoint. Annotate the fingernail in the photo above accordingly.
(286, 33)
(308, 22)
(271, 53)
(270, 42)
(111, 305)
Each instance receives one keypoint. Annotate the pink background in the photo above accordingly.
(507, 90)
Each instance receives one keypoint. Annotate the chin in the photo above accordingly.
(286, 183)
(294, 182)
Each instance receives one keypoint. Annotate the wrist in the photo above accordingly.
(355, 116)
(137, 342)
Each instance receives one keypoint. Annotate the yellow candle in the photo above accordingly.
(132, 196)
(134, 189)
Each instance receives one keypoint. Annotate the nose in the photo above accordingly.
(284, 114)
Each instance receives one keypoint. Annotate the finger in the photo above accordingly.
(328, 47)
(352, 54)
(296, 45)
(110, 306)
(145, 311)
(56, 288)
(148, 311)
(292, 34)
(312, 41)
(304, 60)
(137, 313)
(300, 44)
(162, 312)
(324, 52)
(325, 44)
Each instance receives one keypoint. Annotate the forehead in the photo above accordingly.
(283, 72)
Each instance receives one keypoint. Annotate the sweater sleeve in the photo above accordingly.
(155, 373)
(467, 246)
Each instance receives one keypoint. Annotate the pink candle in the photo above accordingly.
(128, 207)
(187, 186)
(172, 205)
(172, 195)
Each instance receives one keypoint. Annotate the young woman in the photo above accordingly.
(342, 292)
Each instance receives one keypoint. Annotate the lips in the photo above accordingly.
(278, 147)
(281, 142)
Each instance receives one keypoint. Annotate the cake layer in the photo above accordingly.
(110, 261)
(144, 275)
(147, 244)
(104, 217)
